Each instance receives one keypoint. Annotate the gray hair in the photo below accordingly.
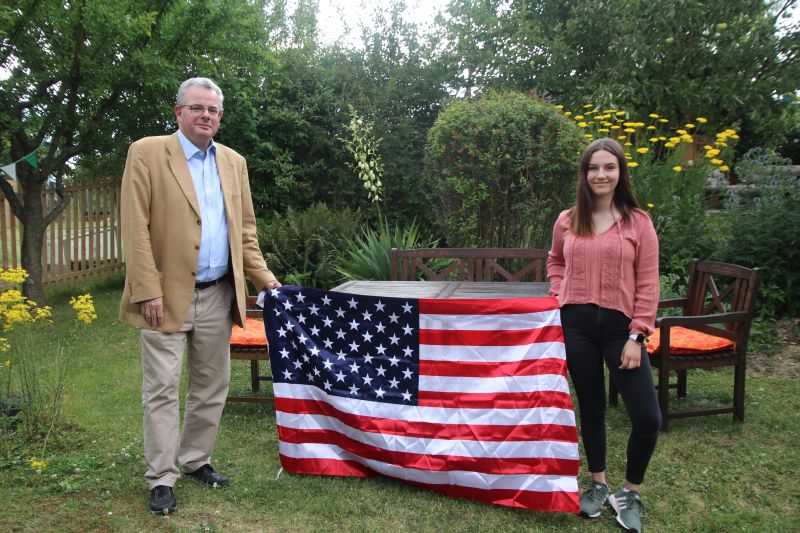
(197, 82)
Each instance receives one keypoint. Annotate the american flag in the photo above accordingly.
(465, 397)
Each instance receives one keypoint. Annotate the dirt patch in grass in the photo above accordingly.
(781, 359)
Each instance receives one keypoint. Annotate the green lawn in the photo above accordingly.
(708, 474)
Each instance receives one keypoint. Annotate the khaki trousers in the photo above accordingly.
(206, 336)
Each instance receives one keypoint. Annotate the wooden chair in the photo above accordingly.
(469, 264)
(252, 350)
(692, 341)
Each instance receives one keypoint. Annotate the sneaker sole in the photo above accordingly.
(166, 511)
(587, 515)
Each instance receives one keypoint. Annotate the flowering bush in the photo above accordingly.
(39, 400)
(670, 165)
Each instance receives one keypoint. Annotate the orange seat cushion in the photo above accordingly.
(253, 336)
(683, 341)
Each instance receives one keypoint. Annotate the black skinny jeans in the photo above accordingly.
(594, 334)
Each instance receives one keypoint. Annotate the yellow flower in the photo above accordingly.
(13, 275)
(653, 115)
(734, 136)
(653, 139)
(578, 117)
(730, 132)
(629, 130)
(651, 127)
(559, 106)
(622, 137)
(724, 168)
(567, 113)
(633, 164)
(717, 161)
(614, 127)
(619, 113)
(701, 120)
(721, 143)
(712, 152)
(689, 126)
(662, 138)
(629, 124)
(37, 465)
(677, 168)
(675, 140)
(669, 145)
(7, 362)
(628, 143)
(687, 138)
(643, 150)
(628, 156)
(602, 130)
(651, 206)
(663, 120)
(682, 132)
(585, 106)
(84, 307)
(582, 124)
(707, 147)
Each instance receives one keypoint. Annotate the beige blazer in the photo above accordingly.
(161, 230)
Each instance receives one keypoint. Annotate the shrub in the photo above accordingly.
(369, 256)
(301, 246)
(669, 168)
(503, 167)
(765, 230)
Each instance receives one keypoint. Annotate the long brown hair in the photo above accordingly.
(624, 199)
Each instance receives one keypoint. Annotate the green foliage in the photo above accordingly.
(765, 230)
(503, 167)
(724, 59)
(301, 246)
(369, 256)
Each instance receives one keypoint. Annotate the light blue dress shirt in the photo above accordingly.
(214, 250)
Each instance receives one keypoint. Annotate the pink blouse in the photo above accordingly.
(617, 269)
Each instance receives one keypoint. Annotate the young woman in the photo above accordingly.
(603, 268)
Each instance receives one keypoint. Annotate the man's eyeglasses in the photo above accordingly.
(197, 109)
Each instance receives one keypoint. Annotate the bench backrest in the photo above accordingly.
(469, 264)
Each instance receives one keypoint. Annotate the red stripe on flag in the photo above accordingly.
(556, 501)
(520, 432)
(507, 337)
(509, 306)
(534, 367)
(496, 400)
(325, 467)
(434, 463)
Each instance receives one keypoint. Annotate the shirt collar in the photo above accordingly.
(190, 150)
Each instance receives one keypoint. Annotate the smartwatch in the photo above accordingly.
(638, 338)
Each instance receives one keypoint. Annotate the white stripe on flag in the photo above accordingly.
(543, 382)
(490, 322)
(478, 480)
(494, 354)
(436, 415)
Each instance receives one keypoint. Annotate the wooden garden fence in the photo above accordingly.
(82, 243)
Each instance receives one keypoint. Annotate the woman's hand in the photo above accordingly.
(631, 355)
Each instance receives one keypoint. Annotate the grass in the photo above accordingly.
(708, 474)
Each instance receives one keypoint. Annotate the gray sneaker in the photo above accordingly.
(593, 499)
(629, 509)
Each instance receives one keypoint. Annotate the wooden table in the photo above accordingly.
(446, 289)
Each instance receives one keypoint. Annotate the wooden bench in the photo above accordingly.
(470, 264)
(255, 353)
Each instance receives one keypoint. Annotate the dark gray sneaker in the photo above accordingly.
(593, 499)
(629, 509)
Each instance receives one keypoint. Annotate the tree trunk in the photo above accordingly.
(32, 238)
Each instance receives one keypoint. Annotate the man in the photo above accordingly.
(189, 235)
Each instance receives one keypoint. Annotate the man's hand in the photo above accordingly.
(631, 355)
(153, 311)
(272, 285)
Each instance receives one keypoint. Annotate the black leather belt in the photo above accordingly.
(206, 284)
